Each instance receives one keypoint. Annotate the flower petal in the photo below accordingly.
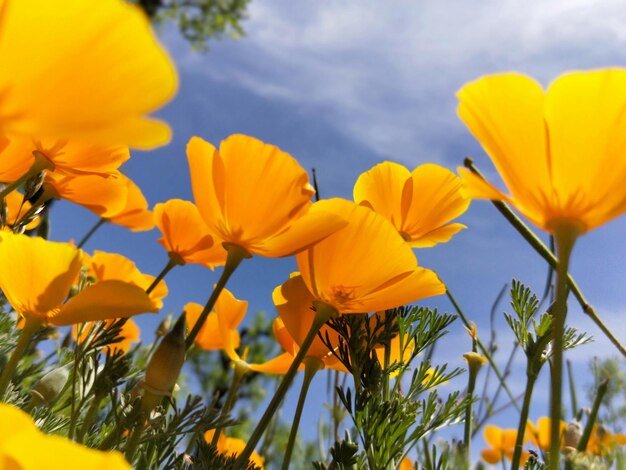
(493, 436)
(278, 365)
(104, 301)
(135, 214)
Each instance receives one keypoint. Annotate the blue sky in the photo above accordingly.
(345, 85)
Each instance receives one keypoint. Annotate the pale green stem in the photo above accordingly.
(171, 264)
(467, 433)
(521, 428)
(236, 254)
(31, 325)
(240, 371)
(547, 254)
(311, 366)
(584, 439)
(565, 236)
(92, 230)
(323, 313)
(572, 388)
(483, 350)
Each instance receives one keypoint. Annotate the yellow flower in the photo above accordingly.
(406, 464)
(95, 70)
(602, 441)
(17, 207)
(112, 266)
(255, 196)
(365, 266)
(232, 446)
(397, 355)
(185, 235)
(36, 277)
(501, 443)
(220, 328)
(293, 302)
(134, 214)
(539, 435)
(560, 152)
(419, 204)
(19, 437)
(129, 334)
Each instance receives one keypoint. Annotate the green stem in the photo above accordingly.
(236, 254)
(31, 325)
(240, 371)
(572, 388)
(584, 439)
(565, 235)
(91, 414)
(483, 350)
(133, 440)
(467, 432)
(323, 313)
(548, 255)
(171, 264)
(311, 366)
(523, 419)
(40, 164)
(92, 230)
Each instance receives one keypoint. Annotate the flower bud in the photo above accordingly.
(164, 326)
(573, 434)
(50, 386)
(165, 365)
(475, 361)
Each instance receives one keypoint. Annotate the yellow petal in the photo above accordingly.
(135, 214)
(491, 456)
(16, 157)
(493, 436)
(103, 301)
(396, 354)
(95, 71)
(17, 207)
(505, 114)
(36, 275)
(102, 196)
(381, 189)
(186, 234)
(440, 235)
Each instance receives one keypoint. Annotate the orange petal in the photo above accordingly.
(230, 310)
(16, 157)
(135, 214)
(123, 74)
(278, 365)
(491, 456)
(17, 207)
(103, 301)
(440, 235)
(493, 436)
(35, 274)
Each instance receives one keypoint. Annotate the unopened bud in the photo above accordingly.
(165, 365)
(50, 386)
(475, 361)
(573, 434)
(164, 326)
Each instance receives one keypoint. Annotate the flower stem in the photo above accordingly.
(323, 313)
(31, 325)
(467, 432)
(171, 264)
(133, 440)
(236, 254)
(523, 419)
(92, 230)
(565, 236)
(240, 371)
(584, 439)
(311, 366)
(483, 350)
(91, 414)
(547, 254)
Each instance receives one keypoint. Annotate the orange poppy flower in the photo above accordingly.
(95, 71)
(112, 266)
(420, 204)
(501, 443)
(19, 436)
(365, 266)
(232, 446)
(559, 151)
(539, 435)
(185, 235)
(255, 196)
(134, 214)
(602, 441)
(36, 277)
(129, 334)
(17, 207)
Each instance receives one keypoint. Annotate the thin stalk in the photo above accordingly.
(91, 414)
(548, 255)
(31, 325)
(565, 236)
(134, 439)
(240, 371)
(467, 431)
(40, 164)
(523, 420)
(311, 366)
(92, 230)
(483, 350)
(385, 365)
(584, 439)
(236, 254)
(323, 313)
(171, 264)
(572, 388)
